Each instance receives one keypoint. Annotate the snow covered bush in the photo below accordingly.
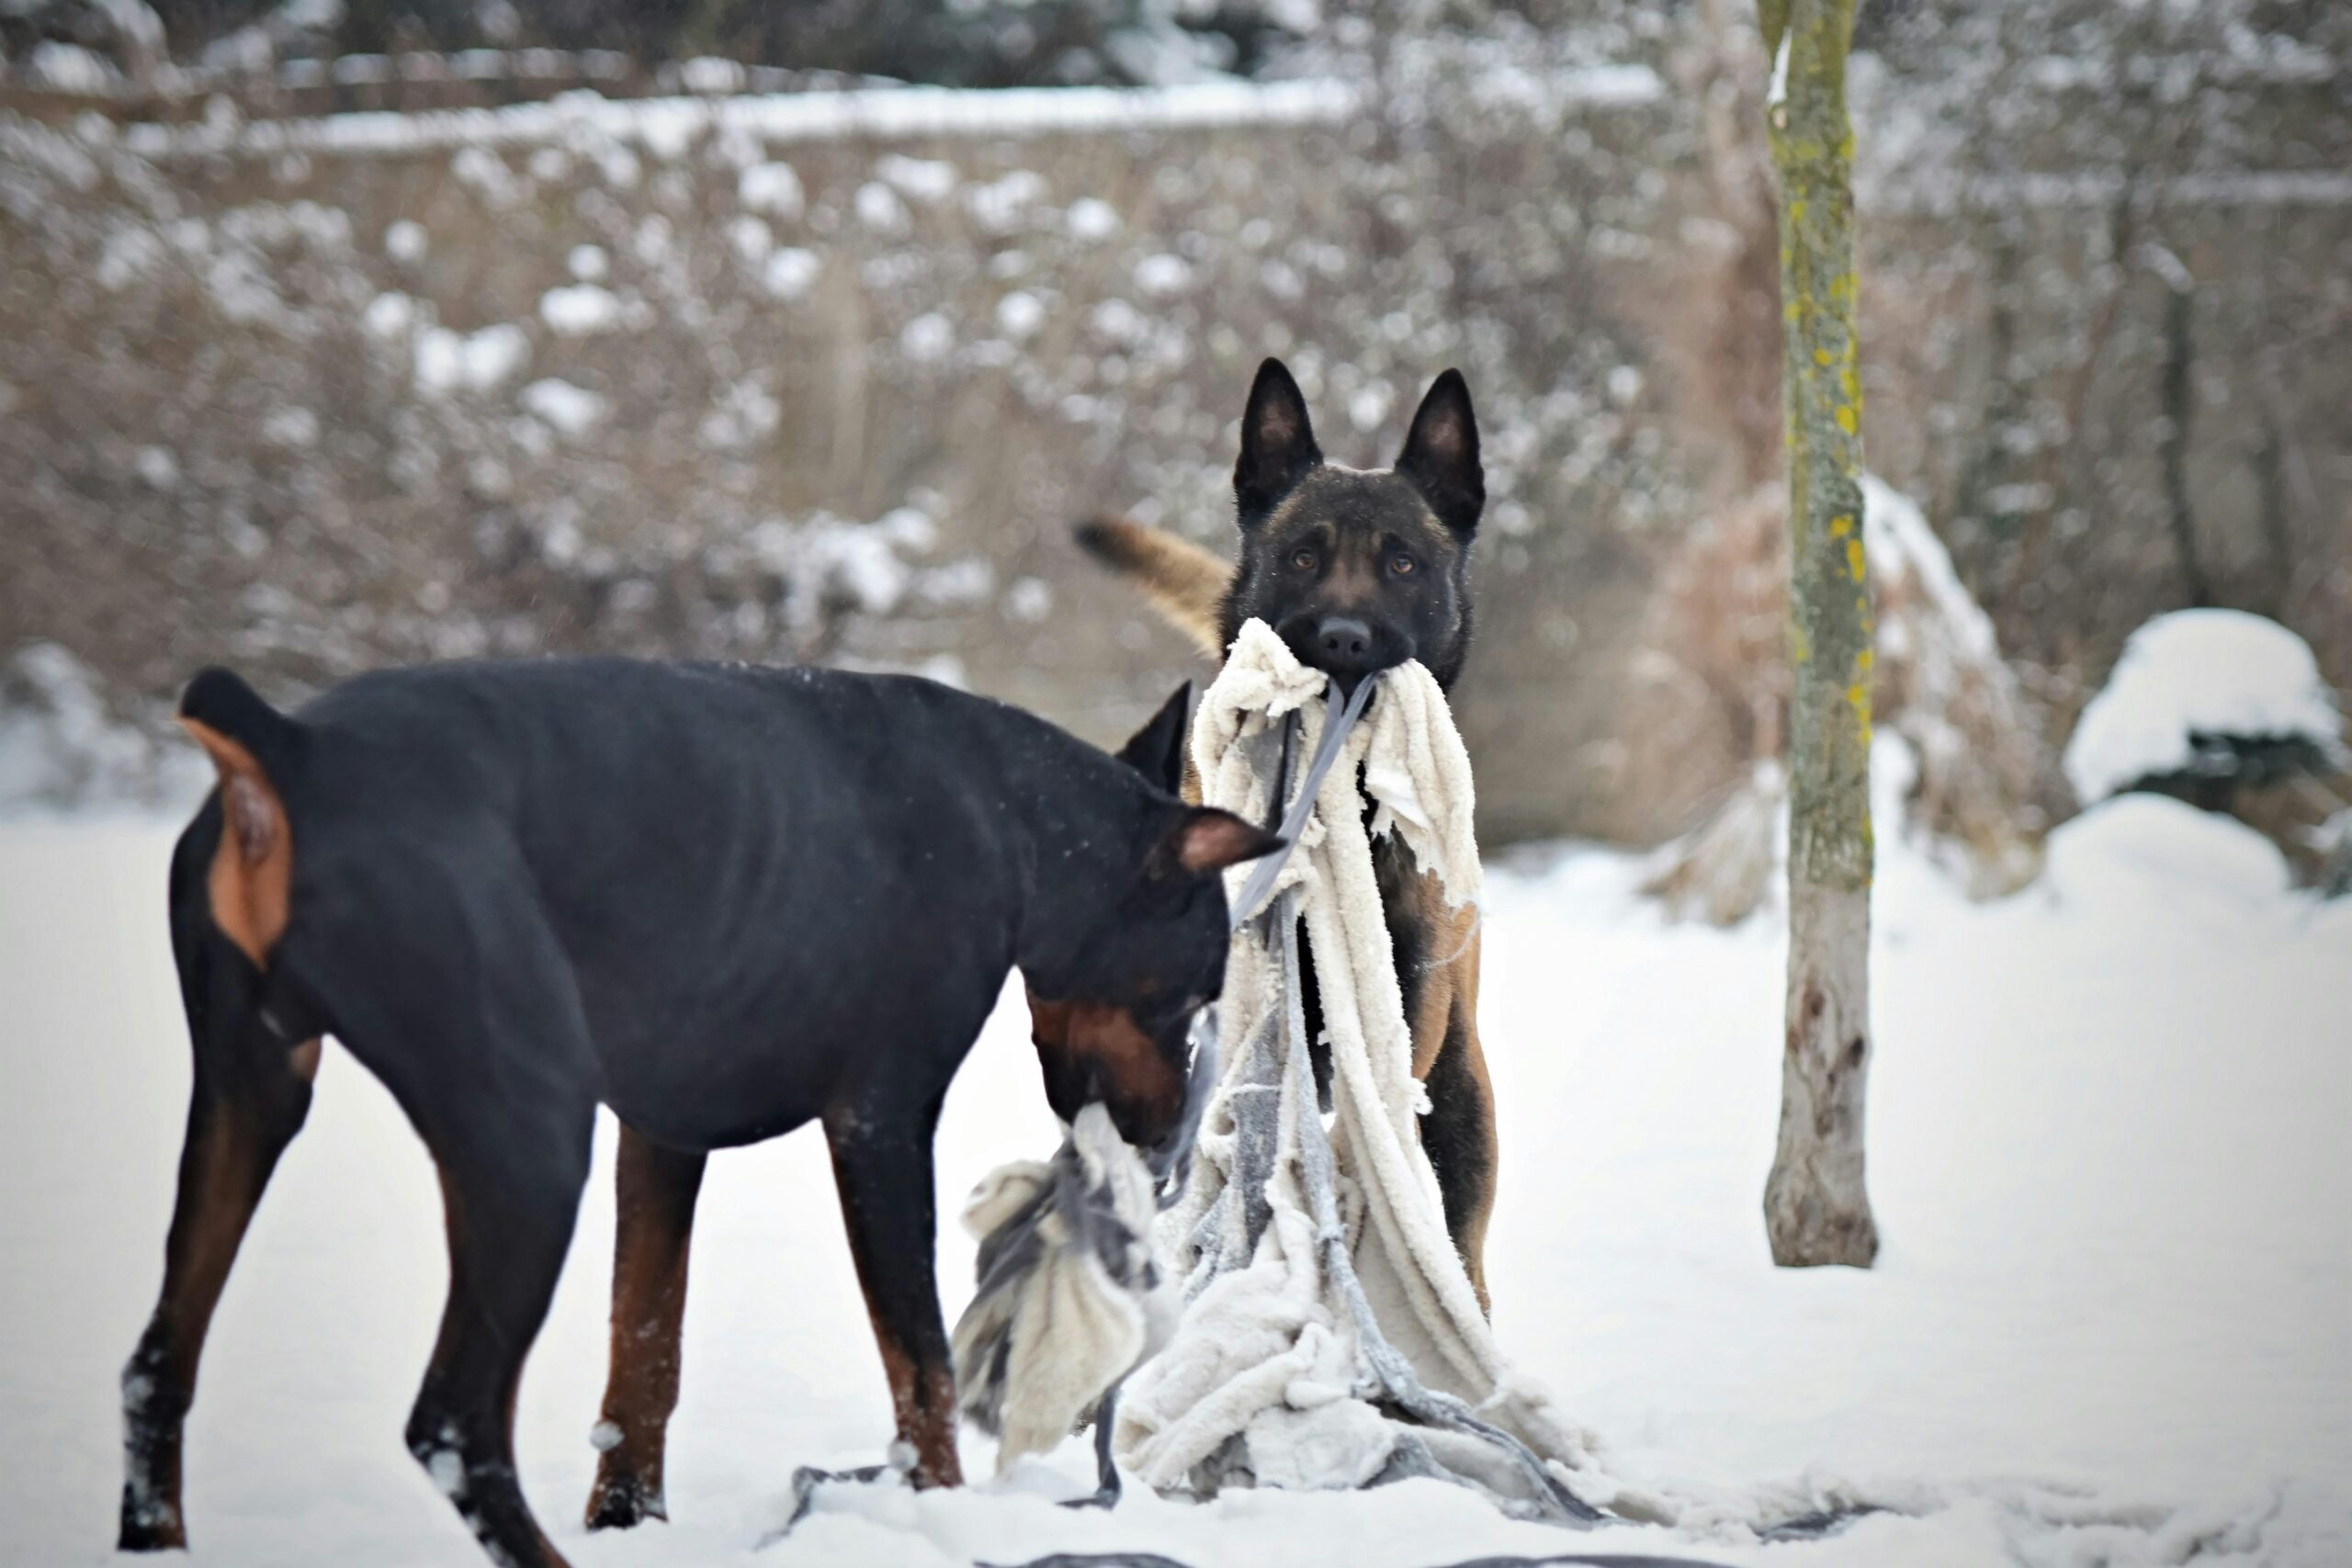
(1714, 690)
(63, 745)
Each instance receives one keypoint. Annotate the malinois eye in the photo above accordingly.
(1401, 564)
(1303, 558)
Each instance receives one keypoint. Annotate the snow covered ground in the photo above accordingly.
(2112, 1323)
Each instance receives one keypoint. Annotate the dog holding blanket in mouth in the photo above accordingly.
(1355, 571)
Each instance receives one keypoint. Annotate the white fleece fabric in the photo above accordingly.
(1274, 1376)
(1046, 1343)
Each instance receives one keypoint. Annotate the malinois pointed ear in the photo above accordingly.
(1441, 455)
(1157, 751)
(1205, 840)
(1277, 443)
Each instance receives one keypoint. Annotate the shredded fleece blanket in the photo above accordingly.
(1330, 1337)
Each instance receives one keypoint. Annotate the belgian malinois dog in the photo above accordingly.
(1358, 570)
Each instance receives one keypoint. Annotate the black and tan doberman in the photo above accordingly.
(724, 902)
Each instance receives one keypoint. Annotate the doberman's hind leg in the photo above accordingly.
(507, 1244)
(508, 1230)
(234, 1137)
(882, 1161)
(456, 994)
(252, 1092)
(654, 1216)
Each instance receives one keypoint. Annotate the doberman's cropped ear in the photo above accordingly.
(1204, 841)
(1157, 751)
(1277, 443)
(1441, 455)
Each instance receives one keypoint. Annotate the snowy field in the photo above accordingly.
(2111, 1153)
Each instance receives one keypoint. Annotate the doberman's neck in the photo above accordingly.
(1082, 815)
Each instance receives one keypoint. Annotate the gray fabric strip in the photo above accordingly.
(1340, 718)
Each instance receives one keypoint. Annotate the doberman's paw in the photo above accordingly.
(620, 1500)
(150, 1526)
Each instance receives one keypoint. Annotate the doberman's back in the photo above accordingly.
(724, 853)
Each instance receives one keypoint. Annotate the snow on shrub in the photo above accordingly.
(61, 746)
(1716, 685)
(770, 187)
(580, 309)
(879, 208)
(789, 272)
(1090, 218)
(567, 410)
(389, 315)
(69, 68)
(2192, 690)
(1000, 205)
(448, 361)
(926, 179)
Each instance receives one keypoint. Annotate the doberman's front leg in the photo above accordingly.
(882, 1161)
(252, 1092)
(654, 1215)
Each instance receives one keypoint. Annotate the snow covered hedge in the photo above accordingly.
(318, 393)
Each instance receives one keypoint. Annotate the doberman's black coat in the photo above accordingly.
(722, 901)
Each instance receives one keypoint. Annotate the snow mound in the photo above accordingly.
(2136, 847)
(2194, 675)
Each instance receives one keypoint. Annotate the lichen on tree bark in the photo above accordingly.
(1816, 1206)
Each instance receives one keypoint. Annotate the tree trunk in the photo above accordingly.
(2180, 404)
(1815, 1208)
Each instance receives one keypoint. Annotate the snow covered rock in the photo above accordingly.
(2205, 692)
